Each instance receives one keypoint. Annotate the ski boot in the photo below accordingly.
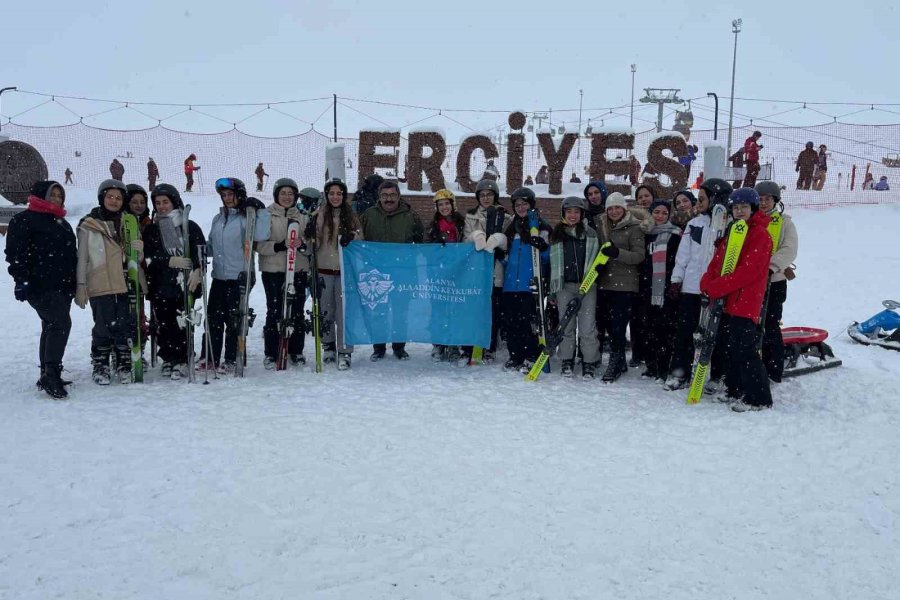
(297, 359)
(675, 381)
(269, 363)
(401, 354)
(377, 355)
(437, 353)
(616, 367)
(343, 362)
(454, 355)
(511, 365)
(526, 366)
(567, 369)
(100, 365)
(587, 371)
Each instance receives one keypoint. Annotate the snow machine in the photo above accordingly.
(809, 344)
(881, 330)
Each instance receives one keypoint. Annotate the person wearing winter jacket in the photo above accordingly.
(683, 209)
(367, 195)
(785, 244)
(446, 227)
(695, 250)
(116, 170)
(519, 308)
(189, 168)
(805, 164)
(152, 173)
(657, 305)
(332, 227)
(573, 248)
(225, 245)
(169, 269)
(101, 279)
(42, 257)
(260, 172)
(882, 185)
(747, 386)
(618, 280)
(595, 195)
(751, 150)
(136, 204)
(821, 168)
(392, 220)
(487, 235)
(644, 196)
(273, 266)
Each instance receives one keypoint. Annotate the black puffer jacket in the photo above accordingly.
(162, 280)
(41, 250)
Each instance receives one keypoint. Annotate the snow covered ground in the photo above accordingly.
(410, 480)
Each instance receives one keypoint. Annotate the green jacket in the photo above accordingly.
(621, 273)
(402, 226)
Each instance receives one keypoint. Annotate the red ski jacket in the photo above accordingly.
(745, 288)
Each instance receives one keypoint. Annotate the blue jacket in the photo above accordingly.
(226, 241)
(518, 272)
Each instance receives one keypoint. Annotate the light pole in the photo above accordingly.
(6, 89)
(716, 121)
(631, 120)
(580, 102)
(736, 29)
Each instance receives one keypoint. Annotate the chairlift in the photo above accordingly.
(892, 161)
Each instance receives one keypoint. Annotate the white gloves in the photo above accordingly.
(194, 280)
(137, 246)
(479, 238)
(180, 262)
(497, 240)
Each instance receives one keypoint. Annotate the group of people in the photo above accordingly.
(812, 167)
(661, 262)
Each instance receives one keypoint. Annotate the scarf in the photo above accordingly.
(39, 205)
(170, 232)
(447, 228)
(658, 258)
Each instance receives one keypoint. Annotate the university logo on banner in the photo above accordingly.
(433, 293)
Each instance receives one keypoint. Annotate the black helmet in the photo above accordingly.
(111, 184)
(769, 188)
(132, 188)
(744, 195)
(285, 182)
(338, 182)
(523, 193)
(170, 192)
(717, 189)
(572, 202)
(490, 185)
(810, 145)
(234, 184)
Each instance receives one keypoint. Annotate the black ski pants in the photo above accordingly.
(661, 322)
(687, 320)
(617, 306)
(773, 343)
(224, 304)
(273, 284)
(53, 309)
(496, 320)
(746, 376)
(171, 340)
(519, 315)
(114, 324)
(638, 326)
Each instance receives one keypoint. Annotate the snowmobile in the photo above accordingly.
(809, 344)
(883, 329)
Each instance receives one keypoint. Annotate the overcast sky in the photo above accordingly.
(461, 54)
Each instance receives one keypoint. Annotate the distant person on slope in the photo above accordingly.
(821, 168)
(189, 168)
(806, 164)
(152, 173)
(882, 185)
(260, 173)
(116, 169)
(751, 150)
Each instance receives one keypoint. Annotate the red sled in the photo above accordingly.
(807, 343)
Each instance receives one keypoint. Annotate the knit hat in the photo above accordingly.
(615, 199)
(445, 194)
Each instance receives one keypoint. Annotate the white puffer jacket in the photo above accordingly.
(694, 254)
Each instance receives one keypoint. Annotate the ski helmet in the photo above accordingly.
(309, 198)
(744, 195)
(133, 189)
(523, 193)
(445, 194)
(717, 189)
(234, 184)
(338, 182)
(769, 188)
(572, 202)
(111, 184)
(170, 192)
(285, 182)
(490, 185)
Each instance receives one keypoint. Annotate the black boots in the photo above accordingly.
(51, 382)
(616, 367)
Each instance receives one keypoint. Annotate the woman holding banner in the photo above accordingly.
(335, 223)
(447, 226)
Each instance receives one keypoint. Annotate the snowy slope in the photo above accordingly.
(410, 480)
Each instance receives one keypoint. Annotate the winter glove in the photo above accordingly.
(279, 247)
(479, 238)
(310, 231)
(789, 273)
(180, 262)
(499, 254)
(194, 280)
(495, 241)
(137, 246)
(21, 291)
(610, 251)
(252, 202)
(538, 242)
(346, 238)
(674, 290)
(81, 295)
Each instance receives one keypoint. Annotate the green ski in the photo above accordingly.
(130, 233)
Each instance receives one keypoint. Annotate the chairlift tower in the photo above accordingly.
(661, 97)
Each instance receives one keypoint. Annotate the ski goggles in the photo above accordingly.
(227, 183)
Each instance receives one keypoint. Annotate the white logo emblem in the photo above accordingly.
(374, 287)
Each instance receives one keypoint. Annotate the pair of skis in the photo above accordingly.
(286, 324)
(555, 337)
(245, 315)
(130, 233)
(495, 216)
(736, 235)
